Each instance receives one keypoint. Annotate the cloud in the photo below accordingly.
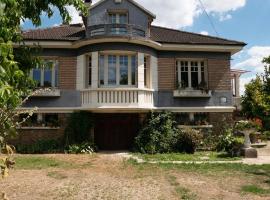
(204, 33)
(252, 63)
(225, 17)
(75, 15)
(254, 60)
(223, 6)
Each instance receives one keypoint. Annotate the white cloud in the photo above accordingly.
(253, 63)
(75, 15)
(223, 6)
(254, 60)
(225, 17)
(204, 33)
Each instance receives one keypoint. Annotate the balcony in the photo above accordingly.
(126, 30)
(121, 98)
(186, 93)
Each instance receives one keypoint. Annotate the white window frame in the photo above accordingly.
(42, 70)
(106, 70)
(179, 71)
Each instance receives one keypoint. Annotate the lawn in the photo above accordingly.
(108, 176)
(198, 156)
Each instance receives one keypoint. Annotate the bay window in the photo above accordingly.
(46, 75)
(117, 70)
(191, 74)
(118, 18)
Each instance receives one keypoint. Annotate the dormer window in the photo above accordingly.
(118, 18)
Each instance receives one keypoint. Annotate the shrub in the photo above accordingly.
(84, 148)
(39, 147)
(187, 140)
(158, 135)
(78, 128)
(229, 143)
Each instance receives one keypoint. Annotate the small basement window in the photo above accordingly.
(192, 119)
(40, 120)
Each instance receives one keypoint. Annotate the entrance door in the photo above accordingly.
(116, 131)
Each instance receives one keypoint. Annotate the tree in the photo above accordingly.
(256, 100)
(15, 64)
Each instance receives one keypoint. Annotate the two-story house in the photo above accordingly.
(119, 67)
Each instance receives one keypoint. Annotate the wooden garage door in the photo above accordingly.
(115, 131)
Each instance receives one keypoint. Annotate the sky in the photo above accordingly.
(242, 20)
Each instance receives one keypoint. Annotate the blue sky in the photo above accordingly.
(243, 20)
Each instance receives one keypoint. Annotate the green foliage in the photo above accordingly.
(229, 143)
(256, 100)
(188, 141)
(78, 128)
(158, 134)
(255, 190)
(40, 147)
(84, 148)
(245, 125)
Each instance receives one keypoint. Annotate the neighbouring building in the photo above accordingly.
(119, 67)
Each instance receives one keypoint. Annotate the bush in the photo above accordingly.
(229, 143)
(158, 134)
(187, 141)
(40, 147)
(84, 148)
(78, 128)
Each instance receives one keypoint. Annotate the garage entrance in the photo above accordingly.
(116, 131)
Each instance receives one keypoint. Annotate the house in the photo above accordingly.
(119, 67)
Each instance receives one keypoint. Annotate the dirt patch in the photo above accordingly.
(108, 176)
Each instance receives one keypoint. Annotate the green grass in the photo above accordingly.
(255, 190)
(182, 192)
(198, 156)
(38, 162)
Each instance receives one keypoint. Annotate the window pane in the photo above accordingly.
(37, 76)
(184, 79)
(56, 68)
(48, 74)
(101, 70)
(123, 70)
(145, 71)
(112, 18)
(194, 79)
(133, 70)
(123, 19)
(112, 70)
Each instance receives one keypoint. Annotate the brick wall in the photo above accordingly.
(67, 73)
(166, 73)
(30, 136)
(219, 74)
(218, 120)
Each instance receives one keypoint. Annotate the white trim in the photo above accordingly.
(207, 109)
(150, 43)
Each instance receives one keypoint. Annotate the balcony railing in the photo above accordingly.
(120, 98)
(128, 30)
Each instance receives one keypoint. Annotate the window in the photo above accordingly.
(191, 74)
(101, 70)
(118, 18)
(89, 70)
(112, 70)
(117, 70)
(46, 75)
(192, 119)
(123, 70)
(40, 120)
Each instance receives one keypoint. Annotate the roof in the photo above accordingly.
(72, 32)
(76, 32)
(131, 1)
(166, 35)
(238, 71)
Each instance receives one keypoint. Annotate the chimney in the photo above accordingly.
(87, 3)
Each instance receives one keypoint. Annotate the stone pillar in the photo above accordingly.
(237, 85)
(141, 79)
(81, 66)
(154, 73)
